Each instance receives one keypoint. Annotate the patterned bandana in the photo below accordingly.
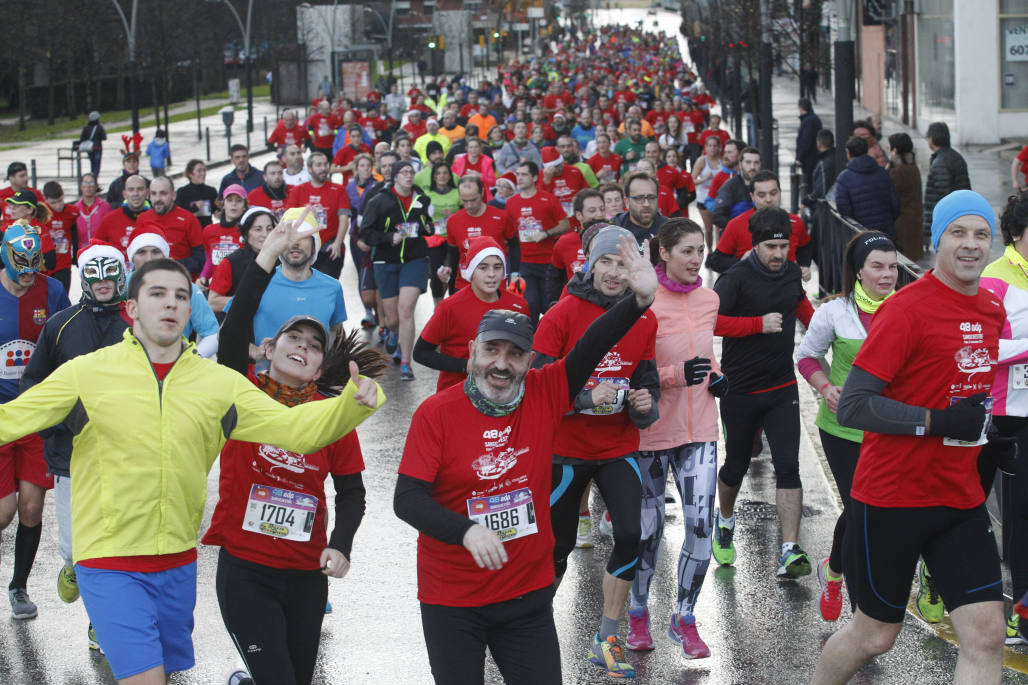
(285, 394)
(103, 269)
(486, 405)
(20, 251)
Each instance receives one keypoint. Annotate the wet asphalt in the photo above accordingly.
(759, 629)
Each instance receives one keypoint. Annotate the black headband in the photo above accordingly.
(867, 243)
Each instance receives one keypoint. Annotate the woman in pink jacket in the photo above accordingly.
(475, 161)
(684, 438)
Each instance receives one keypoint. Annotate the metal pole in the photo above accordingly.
(845, 77)
(196, 91)
(737, 94)
(207, 133)
(32, 169)
(766, 68)
(130, 33)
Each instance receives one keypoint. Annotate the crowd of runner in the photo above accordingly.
(548, 212)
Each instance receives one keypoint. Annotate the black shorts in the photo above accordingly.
(883, 544)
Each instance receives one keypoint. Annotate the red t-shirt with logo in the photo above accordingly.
(455, 323)
(541, 212)
(8, 208)
(326, 201)
(322, 130)
(567, 253)
(469, 457)
(252, 474)
(736, 240)
(60, 227)
(930, 344)
(221, 241)
(259, 198)
(116, 228)
(347, 154)
(555, 101)
(461, 227)
(596, 436)
(181, 228)
(605, 165)
(565, 186)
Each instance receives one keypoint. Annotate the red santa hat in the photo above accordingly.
(148, 235)
(551, 157)
(478, 249)
(508, 178)
(98, 248)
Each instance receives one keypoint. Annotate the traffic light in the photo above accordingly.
(431, 44)
(442, 42)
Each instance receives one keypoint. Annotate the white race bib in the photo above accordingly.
(982, 439)
(606, 409)
(280, 513)
(527, 228)
(1019, 376)
(510, 515)
(408, 229)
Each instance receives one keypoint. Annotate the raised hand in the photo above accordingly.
(640, 276)
(367, 389)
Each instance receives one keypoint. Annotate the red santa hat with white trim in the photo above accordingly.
(478, 249)
(148, 235)
(98, 248)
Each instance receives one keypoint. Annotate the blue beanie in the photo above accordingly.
(955, 205)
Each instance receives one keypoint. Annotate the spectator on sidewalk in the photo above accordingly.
(806, 140)
(243, 174)
(904, 173)
(129, 168)
(159, 153)
(18, 178)
(865, 193)
(196, 196)
(947, 171)
(1019, 170)
(824, 172)
(91, 141)
(92, 209)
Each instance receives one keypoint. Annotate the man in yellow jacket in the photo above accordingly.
(149, 416)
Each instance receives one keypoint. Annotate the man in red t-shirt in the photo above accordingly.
(918, 388)
(181, 228)
(331, 206)
(443, 343)
(540, 220)
(568, 256)
(605, 163)
(288, 132)
(557, 97)
(62, 230)
(18, 178)
(273, 192)
(474, 480)
(736, 241)
(343, 163)
(322, 128)
(714, 130)
(1019, 168)
(117, 226)
(476, 220)
(560, 179)
(597, 441)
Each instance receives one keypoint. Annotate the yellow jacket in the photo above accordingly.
(143, 448)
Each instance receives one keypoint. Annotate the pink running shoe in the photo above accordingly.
(683, 631)
(639, 638)
(831, 593)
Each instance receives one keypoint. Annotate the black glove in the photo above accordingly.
(696, 370)
(962, 420)
(718, 385)
(1001, 450)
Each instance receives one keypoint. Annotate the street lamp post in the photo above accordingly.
(388, 31)
(130, 32)
(245, 30)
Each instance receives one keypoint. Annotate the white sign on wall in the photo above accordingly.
(1015, 47)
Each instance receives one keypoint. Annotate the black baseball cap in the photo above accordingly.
(504, 324)
(24, 197)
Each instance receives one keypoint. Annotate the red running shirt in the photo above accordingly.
(930, 344)
(541, 212)
(247, 464)
(567, 253)
(586, 436)
(468, 456)
(221, 241)
(736, 240)
(461, 227)
(455, 323)
(326, 202)
(60, 228)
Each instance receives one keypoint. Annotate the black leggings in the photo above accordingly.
(842, 457)
(778, 413)
(436, 258)
(621, 487)
(520, 634)
(274, 618)
(1016, 546)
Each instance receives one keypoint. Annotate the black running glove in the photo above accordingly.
(1001, 450)
(962, 420)
(696, 370)
(718, 385)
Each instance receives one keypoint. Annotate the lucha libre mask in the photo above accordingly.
(103, 269)
(20, 250)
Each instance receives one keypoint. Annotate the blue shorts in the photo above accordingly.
(391, 277)
(142, 620)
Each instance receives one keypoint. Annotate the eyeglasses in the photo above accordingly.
(643, 198)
